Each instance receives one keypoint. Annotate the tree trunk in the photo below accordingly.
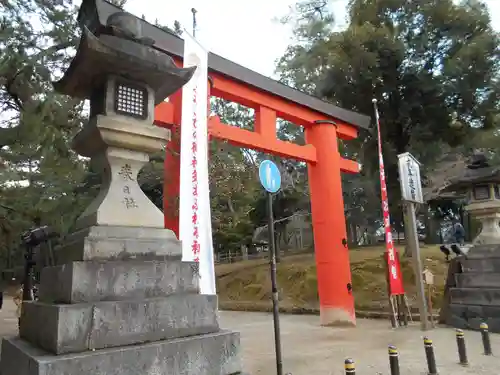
(301, 237)
(277, 245)
(352, 236)
(429, 227)
(244, 252)
(285, 238)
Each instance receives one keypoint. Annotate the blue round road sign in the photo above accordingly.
(270, 176)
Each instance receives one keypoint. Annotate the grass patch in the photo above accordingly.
(246, 285)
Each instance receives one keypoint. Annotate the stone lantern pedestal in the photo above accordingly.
(484, 206)
(488, 214)
(120, 301)
(472, 293)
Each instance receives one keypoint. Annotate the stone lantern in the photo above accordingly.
(481, 185)
(120, 300)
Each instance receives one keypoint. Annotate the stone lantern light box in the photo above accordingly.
(480, 183)
(131, 100)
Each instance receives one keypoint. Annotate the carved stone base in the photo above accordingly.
(122, 303)
(119, 243)
(121, 280)
(216, 353)
(87, 326)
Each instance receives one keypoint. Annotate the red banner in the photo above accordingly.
(393, 267)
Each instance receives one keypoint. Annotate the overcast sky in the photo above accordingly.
(243, 31)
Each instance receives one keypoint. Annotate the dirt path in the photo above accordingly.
(8, 319)
(311, 349)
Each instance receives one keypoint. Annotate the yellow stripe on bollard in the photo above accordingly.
(350, 368)
(393, 350)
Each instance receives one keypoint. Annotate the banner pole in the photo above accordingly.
(194, 11)
(394, 277)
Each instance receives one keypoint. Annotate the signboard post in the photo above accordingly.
(429, 281)
(270, 178)
(411, 193)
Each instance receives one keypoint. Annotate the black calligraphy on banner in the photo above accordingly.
(195, 244)
(411, 179)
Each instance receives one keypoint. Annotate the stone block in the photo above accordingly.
(475, 296)
(471, 316)
(94, 281)
(485, 250)
(211, 354)
(472, 264)
(457, 322)
(478, 280)
(119, 243)
(88, 326)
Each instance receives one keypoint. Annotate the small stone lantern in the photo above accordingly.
(481, 185)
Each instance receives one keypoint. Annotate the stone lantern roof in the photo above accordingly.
(477, 171)
(119, 48)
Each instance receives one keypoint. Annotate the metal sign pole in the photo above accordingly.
(270, 179)
(274, 284)
(417, 266)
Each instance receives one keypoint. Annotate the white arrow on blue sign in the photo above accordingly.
(270, 176)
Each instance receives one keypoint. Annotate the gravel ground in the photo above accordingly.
(311, 349)
(8, 319)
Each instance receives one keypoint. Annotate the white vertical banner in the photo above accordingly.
(195, 224)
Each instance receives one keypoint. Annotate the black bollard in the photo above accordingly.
(485, 334)
(350, 369)
(462, 352)
(394, 360)
(429, 355)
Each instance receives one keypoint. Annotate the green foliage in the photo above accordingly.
(233, 183)
(238, 201)
(432, 65)
(39, 171)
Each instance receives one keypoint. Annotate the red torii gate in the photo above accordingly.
(323, 124)
(324, 167)
(325, 164)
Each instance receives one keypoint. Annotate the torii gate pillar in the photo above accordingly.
(327, 206)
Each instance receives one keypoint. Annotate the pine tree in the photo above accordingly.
(432, 65)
